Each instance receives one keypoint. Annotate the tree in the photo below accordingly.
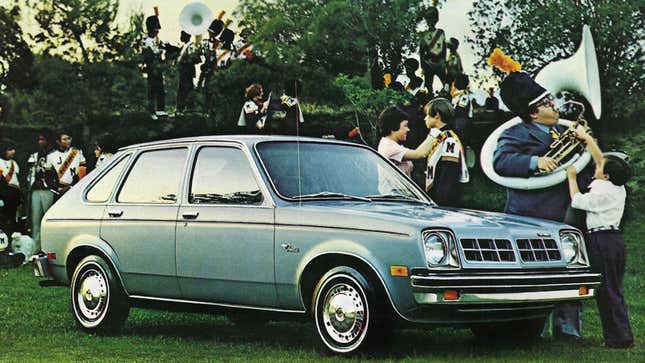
(332, 36)
(78, 29)
(537, 32)
(15, 56)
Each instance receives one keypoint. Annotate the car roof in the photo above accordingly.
(249, 140)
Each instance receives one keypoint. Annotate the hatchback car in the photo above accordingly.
(300, 226)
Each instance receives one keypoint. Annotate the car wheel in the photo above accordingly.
(99, 303)
(345, 311)
(510, 331)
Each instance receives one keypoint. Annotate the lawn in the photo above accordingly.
(36, 325)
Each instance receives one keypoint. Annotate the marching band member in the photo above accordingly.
(9, 188)
(289, 103)
(453, 64)
(446, 170)
(152, 52)
(188, 58)
(462, 104)
(518, 154)
(103, 150)
(409, 80)
(254, 112)
(432, 50)
(41, 181)
(68, 163)
(209, 51)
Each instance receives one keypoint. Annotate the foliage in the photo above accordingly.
(331, 37)
(15, 56)
(85, 29)
(370, 102)
(536, 32)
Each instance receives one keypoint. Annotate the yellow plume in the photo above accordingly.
(503, 62)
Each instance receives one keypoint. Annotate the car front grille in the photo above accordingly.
(487, 250)
(538, 249)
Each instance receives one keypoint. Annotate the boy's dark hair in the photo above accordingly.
(48, 134)
(443, 107)
(106, 143)
(390, 120)
(61, 133)
(618, 170)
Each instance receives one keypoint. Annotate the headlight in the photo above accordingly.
(570, 246)
(436, 248)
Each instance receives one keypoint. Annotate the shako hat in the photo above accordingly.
(152, 23)
(518, 90)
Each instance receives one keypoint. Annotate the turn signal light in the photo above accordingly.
(399, 271)
(450, 295)
(583, 290)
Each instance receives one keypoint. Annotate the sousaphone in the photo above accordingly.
(195, 18)
(579, 74)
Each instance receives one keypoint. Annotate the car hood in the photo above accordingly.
(466, 221)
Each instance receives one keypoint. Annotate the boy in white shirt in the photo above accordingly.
(604, 204)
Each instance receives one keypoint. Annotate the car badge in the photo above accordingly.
(290, 248)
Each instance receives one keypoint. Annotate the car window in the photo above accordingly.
(223, 175)
(301, 169)
(154, 178)
(101, 190)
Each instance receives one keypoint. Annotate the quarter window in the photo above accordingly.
(100, 192)
(223, 175)
(154, 178)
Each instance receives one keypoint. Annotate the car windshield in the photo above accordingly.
(310, 170)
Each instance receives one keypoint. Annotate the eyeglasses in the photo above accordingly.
(546, 101)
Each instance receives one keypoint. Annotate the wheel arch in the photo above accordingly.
(319, 265)
(80, 251)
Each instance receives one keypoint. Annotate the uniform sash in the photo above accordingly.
(447, 147)
(68, 161)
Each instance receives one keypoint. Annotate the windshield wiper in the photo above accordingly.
(396, 197)
(330, 195)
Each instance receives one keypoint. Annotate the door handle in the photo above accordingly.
(115, 213)
(190, 215)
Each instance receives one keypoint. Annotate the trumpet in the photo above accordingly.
(568, 142)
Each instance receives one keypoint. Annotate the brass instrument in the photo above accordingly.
(568, 142)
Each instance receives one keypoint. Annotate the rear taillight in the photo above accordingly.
(51, 256)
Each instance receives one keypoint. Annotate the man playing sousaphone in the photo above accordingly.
(520, 153)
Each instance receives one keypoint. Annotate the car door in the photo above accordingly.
(140, 222)
(225, 231)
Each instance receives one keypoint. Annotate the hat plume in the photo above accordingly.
(503, 62)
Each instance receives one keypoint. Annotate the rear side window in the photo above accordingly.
(100, 192)
(155, 177)
(223, 175)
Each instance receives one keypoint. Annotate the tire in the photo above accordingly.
(519, 330)
(98, 302)
(347, 315)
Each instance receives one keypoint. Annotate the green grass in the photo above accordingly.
(36, 325)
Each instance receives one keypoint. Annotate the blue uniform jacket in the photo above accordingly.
(512, 158)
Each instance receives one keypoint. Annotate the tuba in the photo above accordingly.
(195, 18)
(578, 73)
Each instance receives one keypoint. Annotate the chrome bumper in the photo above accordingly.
(485, 287)
(41, 266)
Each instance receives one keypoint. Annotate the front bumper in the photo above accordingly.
(460, 288)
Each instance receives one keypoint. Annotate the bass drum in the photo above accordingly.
(535, 182)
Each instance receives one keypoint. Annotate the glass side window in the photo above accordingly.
(155, 177)
(101, 190)
(223, 175)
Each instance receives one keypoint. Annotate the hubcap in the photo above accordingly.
(343, 313)
(92, 294)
